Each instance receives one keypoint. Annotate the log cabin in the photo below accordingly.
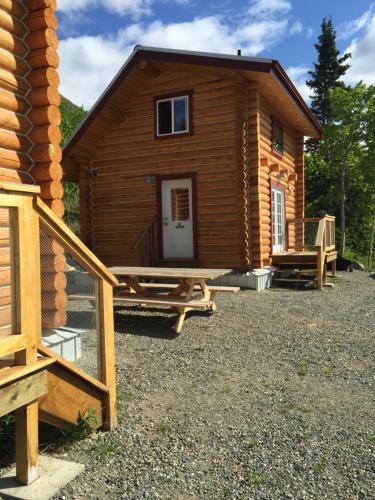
(193, 159)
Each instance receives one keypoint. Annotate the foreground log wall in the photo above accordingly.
(29, 115)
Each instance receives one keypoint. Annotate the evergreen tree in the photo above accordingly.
(327, 71)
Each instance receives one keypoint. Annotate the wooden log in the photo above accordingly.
(12, 82)
(45, 115)
(14, 8)
(46, 37)
(57, 206)
(47, 172)
(13, 140)
(13, 102)
(53, 281)
(54, 318)
(48, 246)
(40, 19)
(5, 315)
(14, 160)
(45, 96)
(4, 217)
(40, 58)
(5, 295)
(41, 4)
(46, 134)
(5, 256)
(14, 64)
(44, 77)
(54, 300)
(13, 44)
(8, 175)
(51, 190)
(53, 263)
(12, 24)
(9, 120)
(43, 153)
(5, 276)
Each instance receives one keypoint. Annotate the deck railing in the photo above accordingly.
(145, 244)
(26, 270)
(318, 234)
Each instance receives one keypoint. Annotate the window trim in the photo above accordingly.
(172, 97)
(276, 122)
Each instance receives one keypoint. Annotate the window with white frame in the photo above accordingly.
(172, 115)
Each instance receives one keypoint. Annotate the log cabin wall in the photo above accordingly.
(271, 164)
(29, 116)
(118, 195)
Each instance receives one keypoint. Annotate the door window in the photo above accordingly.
(180, 204)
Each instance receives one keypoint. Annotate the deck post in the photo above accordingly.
(107, 351)
(28, 321)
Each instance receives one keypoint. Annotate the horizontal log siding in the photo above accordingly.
(286, 162)
(124, 202)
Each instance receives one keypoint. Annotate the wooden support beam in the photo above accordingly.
(22, 392)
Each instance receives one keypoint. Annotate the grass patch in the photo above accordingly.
(328, 371)
(104, 449)
(251, 443)
(199, 348)
(371, 438)
(227, 389)
(300, 408)
(319, 468)
(86, 425)
(162, 428)
(303, 369)
(256, 478)
(124, 396)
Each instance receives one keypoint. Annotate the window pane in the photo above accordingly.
(180, 114)
(180, 204)
(277, 137)
(164, 117)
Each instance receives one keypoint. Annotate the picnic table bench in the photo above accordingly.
(190, 291)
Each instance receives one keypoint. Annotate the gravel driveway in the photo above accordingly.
(272, 397)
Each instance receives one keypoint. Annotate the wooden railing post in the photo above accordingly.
(107, 351)
(29, 320)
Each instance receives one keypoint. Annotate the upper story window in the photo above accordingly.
(277, 137)
(173, 115)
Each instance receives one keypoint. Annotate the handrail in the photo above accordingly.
(63, 235)
(144, 245)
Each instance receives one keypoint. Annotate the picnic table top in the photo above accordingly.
(169, 272)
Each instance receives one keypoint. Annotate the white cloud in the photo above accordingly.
(269, 7)
(346, 30)
(298, 75)
(296, 28)
(362, 65)
(134, 8)
(88, 63)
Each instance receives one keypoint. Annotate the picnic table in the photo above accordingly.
(190, 292)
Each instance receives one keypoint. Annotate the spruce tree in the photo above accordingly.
(327, 71)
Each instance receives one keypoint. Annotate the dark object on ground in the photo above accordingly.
(372, 275)
(343, 264)
(357, 266)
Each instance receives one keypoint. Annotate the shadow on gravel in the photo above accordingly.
(155, 326)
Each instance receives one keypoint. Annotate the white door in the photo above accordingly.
(177, 219)
(278, 220)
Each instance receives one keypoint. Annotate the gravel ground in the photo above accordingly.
(272, 397)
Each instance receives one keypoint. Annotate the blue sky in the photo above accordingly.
(96, 36)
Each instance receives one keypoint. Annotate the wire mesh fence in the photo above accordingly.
(69, 307)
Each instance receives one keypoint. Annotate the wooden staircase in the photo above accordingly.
(297, 269)
(35, 382)
(308, 267)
